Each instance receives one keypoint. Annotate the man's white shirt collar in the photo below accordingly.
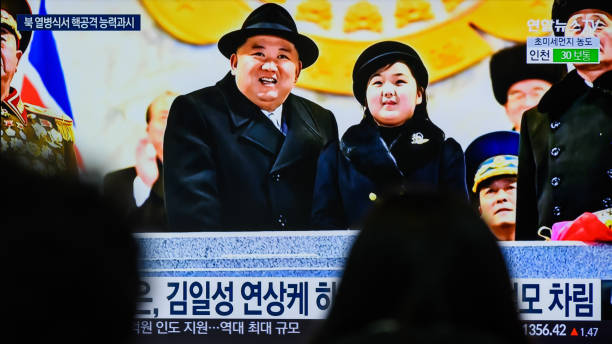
(275, 116)
(141, 191)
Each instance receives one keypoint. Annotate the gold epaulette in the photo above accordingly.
(63, 122)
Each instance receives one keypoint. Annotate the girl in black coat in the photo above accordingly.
(395, 145)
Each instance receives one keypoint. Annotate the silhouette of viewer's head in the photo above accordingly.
(72, 271)
(423, 268)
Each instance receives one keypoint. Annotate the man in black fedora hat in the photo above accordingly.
(519, 86)
(37, 138)
(241, 155)
(565, 156)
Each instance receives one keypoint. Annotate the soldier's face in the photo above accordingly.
(266, 70)
(498, 203)
(156, 128)
(522, 96)
(589, 23)
(10, 56)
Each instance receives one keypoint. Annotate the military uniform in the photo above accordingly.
(33, 136)
(37, 137)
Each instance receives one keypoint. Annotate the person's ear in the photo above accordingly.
(233, 63)
(419, 96)
(298, 71)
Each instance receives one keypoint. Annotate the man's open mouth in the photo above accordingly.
(267, 80)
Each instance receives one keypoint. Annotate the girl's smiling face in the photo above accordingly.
(392, 95)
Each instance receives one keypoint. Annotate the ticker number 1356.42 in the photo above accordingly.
(537, 330)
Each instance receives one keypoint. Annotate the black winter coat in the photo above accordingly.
(227, 167)
(565, 155)
(355, 173)
(151, 215)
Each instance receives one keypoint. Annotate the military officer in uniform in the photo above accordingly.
(565, 155)
(33, 136)
(491, 162)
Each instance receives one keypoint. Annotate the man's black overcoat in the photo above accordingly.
(565, 155)
(227, 167)
(151, 215)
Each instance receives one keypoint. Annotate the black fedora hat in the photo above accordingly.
(270, 19)
(379, 55)
(509, 66)
(15, 7)
(562, 10)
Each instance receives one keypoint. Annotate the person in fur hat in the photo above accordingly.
(565, 155)
(519, 86)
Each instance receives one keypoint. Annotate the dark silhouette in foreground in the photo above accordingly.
(424, 269)
(72, 275)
